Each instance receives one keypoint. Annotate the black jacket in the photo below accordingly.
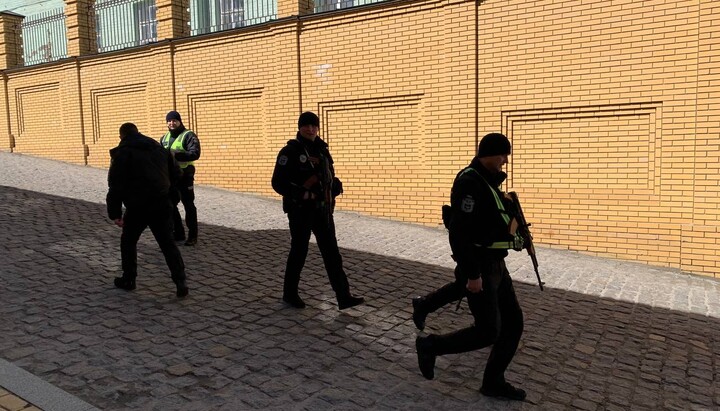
(475, 220)
(141, 173)
(306, 166)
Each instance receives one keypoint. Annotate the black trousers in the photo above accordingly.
(187, 197)
(498, 320)
(157, 217)
(302, 223)
(449, 293)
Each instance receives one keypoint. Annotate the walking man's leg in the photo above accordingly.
(450, 292)
(324, 230)
(161, 226)
(299, 239)
(133, 226)
(503, 351)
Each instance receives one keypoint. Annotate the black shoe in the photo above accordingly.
(294, 301)
(426, 360)
(349, 301)
(191, 241)
(504, 390)
(182, 289)
(125, 283)
(418, 314)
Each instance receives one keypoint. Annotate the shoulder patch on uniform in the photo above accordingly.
(282, 160)
(468, 204)
(303, 158)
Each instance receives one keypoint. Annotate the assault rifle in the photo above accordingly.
(523, 229)
(322, 191)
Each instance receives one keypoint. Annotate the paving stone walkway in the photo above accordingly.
(12, 402)
(605, 335)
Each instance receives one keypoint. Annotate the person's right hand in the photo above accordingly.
(474, 286)
(119, 222)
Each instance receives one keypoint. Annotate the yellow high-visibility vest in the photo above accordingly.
(177, 146)
(517, 242)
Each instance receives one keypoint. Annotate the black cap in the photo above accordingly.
(493, 144)
(173, 115)
(310, 118)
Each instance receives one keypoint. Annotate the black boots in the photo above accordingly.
(182, 289)
(419, 314)
(426, 358)
(503, 390)
(125, 283)
(349, 301)
(191, 241)
(129, 285)
(293, 301)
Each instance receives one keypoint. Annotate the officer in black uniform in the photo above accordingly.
(480, 235)
(304, 176)
(140, 176)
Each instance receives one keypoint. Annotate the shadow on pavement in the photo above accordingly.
(233, 345)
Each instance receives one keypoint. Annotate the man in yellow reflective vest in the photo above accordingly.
(185, 146)
(481, 232)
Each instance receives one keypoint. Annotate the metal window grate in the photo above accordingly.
(125, 23)
(329, 5)
(44, 37)
(208, 16)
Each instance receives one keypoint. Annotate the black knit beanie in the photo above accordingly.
(173, 115)
(310, 118)
(493, 144)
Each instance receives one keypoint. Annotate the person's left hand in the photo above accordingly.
(119, 222)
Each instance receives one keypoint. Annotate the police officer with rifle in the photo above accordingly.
(482, 230)
(304, 176)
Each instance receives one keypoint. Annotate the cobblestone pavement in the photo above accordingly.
(604, 335)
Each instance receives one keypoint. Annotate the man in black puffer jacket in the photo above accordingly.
(140, 176)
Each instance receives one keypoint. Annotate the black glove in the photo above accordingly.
(337, 187)
(174, 195)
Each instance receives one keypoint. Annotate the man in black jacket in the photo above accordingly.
(481, 232)
(305, 177)
(140, 176)
(185, 146)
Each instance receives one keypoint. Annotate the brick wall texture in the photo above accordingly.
(612, 107)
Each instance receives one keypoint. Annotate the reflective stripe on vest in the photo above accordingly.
(502, 245)
(177, 146)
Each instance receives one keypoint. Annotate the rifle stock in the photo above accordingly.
(524, 231)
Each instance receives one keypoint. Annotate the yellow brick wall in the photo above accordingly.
(123, 88)
(394, 91)
(239, 94)
(5, 138)
(701, 235)
(612, 109)
(599, 100)
(40, 125)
